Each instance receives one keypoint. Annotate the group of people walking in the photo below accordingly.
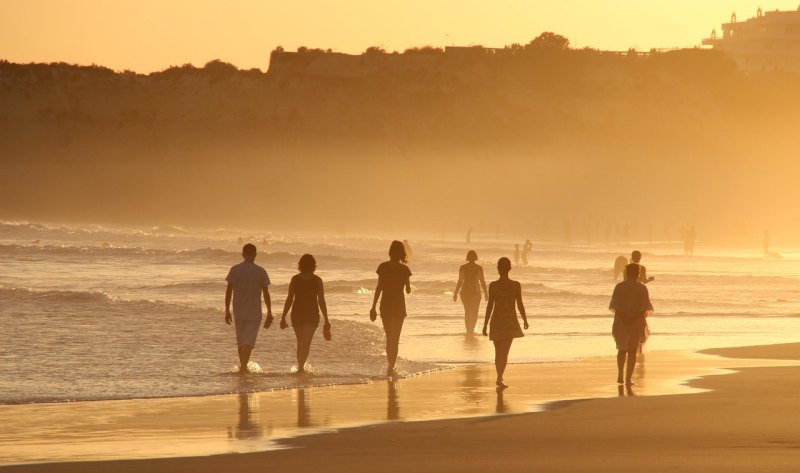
(248, 283)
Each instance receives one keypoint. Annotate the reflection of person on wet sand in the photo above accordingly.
(393, 276)
(303, 410)
(306, 298)
(392, 402)
(470, 282)
(248, 426)
(505, 296)
(631, 305)
(247, 282)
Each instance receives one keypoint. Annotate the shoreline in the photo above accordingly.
(228, 426)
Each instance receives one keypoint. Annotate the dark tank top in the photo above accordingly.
(305, 298)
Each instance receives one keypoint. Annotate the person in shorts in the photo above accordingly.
(631, 305)
(247, 282)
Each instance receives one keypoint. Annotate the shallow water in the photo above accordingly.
(100, 312)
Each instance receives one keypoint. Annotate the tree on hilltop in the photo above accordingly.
(550, 41)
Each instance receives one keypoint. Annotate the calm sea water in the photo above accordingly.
(100, 312)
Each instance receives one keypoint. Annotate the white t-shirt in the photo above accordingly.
(248, 279)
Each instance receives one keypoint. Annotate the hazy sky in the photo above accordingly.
(148, 35)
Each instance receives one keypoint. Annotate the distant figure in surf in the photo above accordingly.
(470, 283)
(505, 296)
(306, 298)
(469, 235)
(516, 253)
(631, 305)
(619, 266)
(636, 258)
(766, 244)
(393, 277)
(526, 249)
(247, 282)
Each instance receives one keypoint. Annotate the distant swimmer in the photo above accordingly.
(516, 253)
(619, 266)
(505, 296)
(393, 277)
(469, 285)
(247, 282)
(636, 258)
(526, 249)
(631, 305)
(306, 298)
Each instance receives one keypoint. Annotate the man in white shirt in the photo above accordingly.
(247, 281)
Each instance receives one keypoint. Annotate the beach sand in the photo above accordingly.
(744, 420)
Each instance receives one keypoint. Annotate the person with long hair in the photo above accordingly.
(505, 296)
(306, 298)
(393, 276)
(470, 282)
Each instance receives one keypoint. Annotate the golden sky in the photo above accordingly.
(149, 35)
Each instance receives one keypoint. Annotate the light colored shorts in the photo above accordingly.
(247, 331)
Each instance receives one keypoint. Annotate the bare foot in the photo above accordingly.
(619, 380)
(500, 384)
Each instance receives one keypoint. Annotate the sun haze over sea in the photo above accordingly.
(150, 35)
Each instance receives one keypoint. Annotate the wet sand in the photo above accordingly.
(742, 421)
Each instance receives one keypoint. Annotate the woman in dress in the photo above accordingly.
(393, 276)
(505, 296)
(631, 306)
(470, 282)
(306, 298)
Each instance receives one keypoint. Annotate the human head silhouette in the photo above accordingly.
(472, 256)
(307, 264)
(397, 252)
(636, 256)
(503, 266)
(632, 272)
(249, 252)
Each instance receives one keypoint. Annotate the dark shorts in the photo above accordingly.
(628, 334)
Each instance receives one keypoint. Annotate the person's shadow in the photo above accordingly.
(248, 426)
(392, 402)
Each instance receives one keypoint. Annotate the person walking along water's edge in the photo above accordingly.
(631, 305)
(306, 298)
(470, 283)
(247, 282)
(505, 296)
(393, 277)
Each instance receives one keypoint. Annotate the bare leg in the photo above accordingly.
(501, 349)
(392, 326)
(304, 345)
(631, 366)
(471, 306)
(244, 357)
(620, 365)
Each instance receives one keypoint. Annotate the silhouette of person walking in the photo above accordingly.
(306, 298)
(470, 282)
(247, 282)
(636, 258)
(505, 296)
(516, 253)
(631, 305)
(393, 276)
(526, 249)
(619, 267)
